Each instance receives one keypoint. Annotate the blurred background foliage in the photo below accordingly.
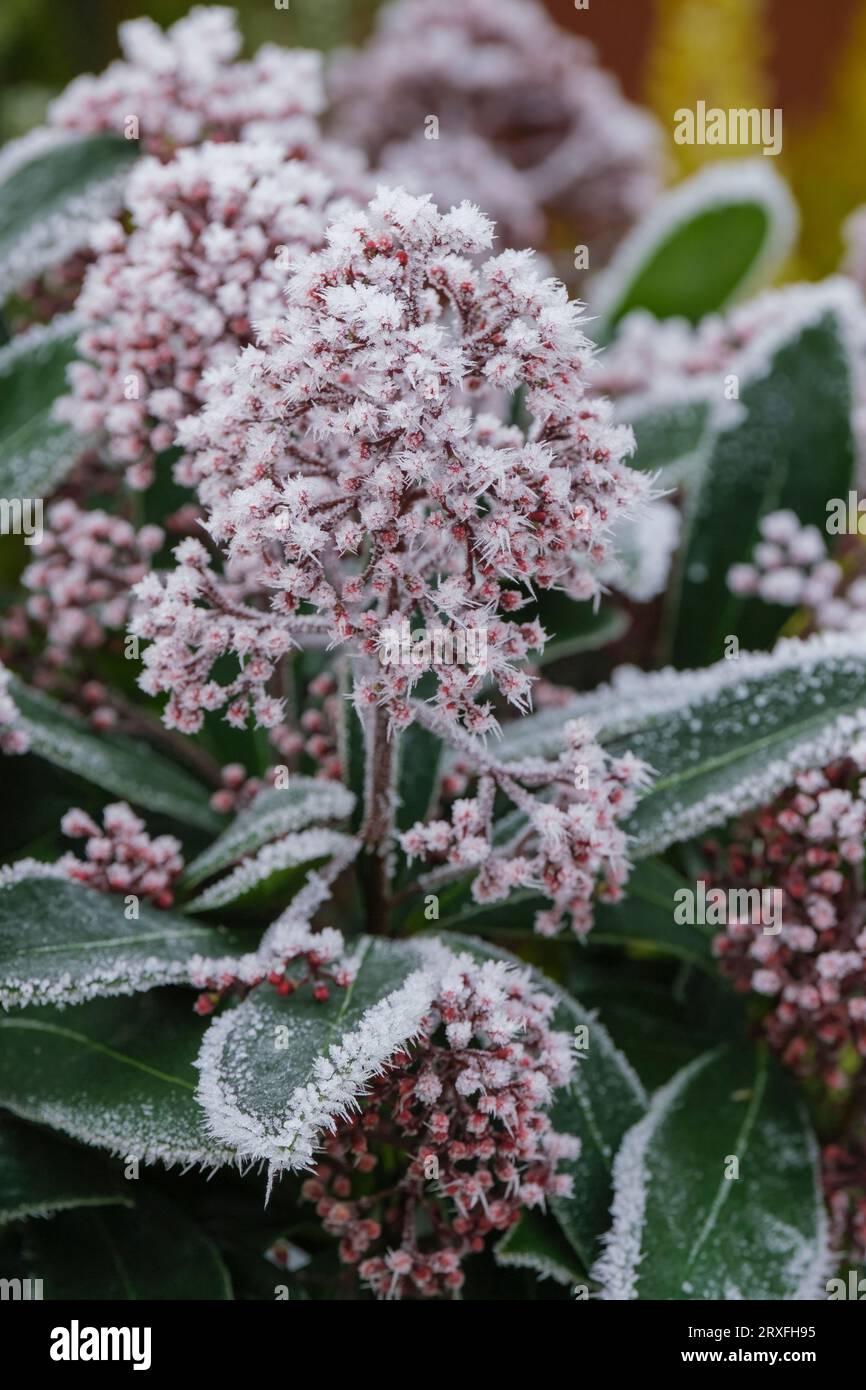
(808, 59)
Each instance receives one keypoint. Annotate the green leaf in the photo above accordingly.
(796, 411)
(604, 1099)
(418, 754)
(710, 240)
(151, 1252)
(49, 202)
(305, 802)
(659, 1019)
(536, 1242)
(574, 627)
(738, 733)
(123, 766)
(684, 1230)
(270, 1081)
(668, 436)
(350, 738)
(36, 451)
(115, 1073)
(40, 1175)
(62, 943)
(645, 917)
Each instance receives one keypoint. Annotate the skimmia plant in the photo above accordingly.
(432, 710)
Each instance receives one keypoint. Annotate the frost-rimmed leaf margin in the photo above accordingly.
(41, 1175)
(334, 1050)
(306, 849)
(532, 1244)
(626, 1262)
(305, 802)
(772, 713)
(36, 450)
(85, 948)
(115, 763)
(54, 187)
(712, 191)
(116, 1074)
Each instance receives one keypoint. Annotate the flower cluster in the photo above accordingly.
(82, 577)
(13, 739)
(570, 846)
(519, 104)
(214, 232)
(465, 1108)
(844, 1180)
(185, 85)
(809, 845)
(790, 566)
(311, 959)
(352, 464)
(121, 857)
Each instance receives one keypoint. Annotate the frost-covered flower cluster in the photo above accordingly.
(520, 105)
(83, 573)
(843, 1171)
(809, 844)
(214, 231)
(187, 85)
(13, 738)
(353, 466)
(465, 1109)
(121, 857)
(791, 567)
(570, 845)
(314, 959)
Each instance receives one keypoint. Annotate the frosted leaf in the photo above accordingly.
(723, 739)
(720, 185)
(305, 850)
(61, 943)
(117, 764)
(534, 1244)
(114, 1073)
(35, 449)
(40, 1176)
(679, 1221)
(306, 801)
(54, 189)
(271, 1102)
